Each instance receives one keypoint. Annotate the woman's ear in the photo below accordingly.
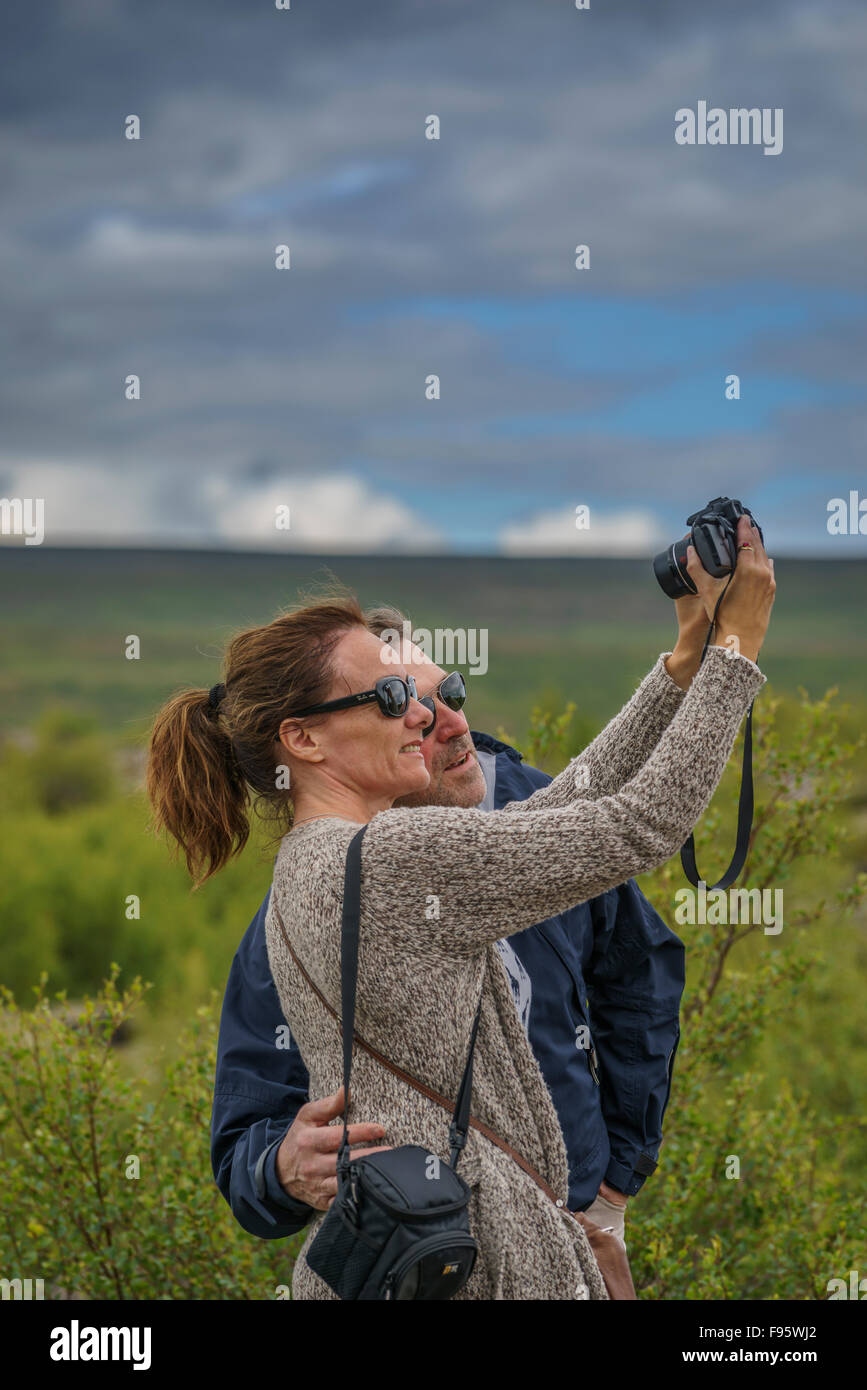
(301, 742)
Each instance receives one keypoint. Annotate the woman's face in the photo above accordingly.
(362, 750)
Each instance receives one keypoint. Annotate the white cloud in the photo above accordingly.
(555, 533)
(158, 505)
(85, 503)
(338, 513)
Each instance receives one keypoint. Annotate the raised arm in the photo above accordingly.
(623, 746)
(495, 874)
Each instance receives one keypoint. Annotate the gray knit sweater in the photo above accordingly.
(439, 886)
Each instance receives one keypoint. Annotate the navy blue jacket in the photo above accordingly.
(598, 988)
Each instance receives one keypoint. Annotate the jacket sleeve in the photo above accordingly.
(260, 1085)
(635, 979)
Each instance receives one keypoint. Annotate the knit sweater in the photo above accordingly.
(439, 886)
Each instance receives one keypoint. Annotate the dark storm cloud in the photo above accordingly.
(259, 127)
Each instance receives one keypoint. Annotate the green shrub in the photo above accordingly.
(109, 1195)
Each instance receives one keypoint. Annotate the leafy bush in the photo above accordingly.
(65, 767)
(108, 1195)
(68, 878)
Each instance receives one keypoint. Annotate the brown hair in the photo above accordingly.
(206, 760)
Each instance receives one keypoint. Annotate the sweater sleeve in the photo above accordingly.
(448, 880)
(623, 746)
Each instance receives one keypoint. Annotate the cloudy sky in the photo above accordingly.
(409, 257)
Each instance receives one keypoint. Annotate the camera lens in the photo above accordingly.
(669, 566)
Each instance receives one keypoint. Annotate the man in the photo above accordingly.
(597, 989)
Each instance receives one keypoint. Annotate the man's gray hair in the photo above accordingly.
(384, 618)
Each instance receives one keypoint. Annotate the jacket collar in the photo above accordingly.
(494, 745)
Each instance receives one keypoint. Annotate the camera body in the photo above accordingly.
(713, 532)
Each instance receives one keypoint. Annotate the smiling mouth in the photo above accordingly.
(411, 748)
(460, 763)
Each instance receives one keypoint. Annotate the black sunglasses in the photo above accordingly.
(393, 694)
(451, 691)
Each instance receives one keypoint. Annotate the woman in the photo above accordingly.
(441, 884)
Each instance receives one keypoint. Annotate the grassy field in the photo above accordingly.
(582, 630)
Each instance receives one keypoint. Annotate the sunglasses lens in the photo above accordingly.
(453, 691)
(393, 696)
(428, 702)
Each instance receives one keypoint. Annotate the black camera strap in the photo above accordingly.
(745, 801)
(745, 822)
(349, 980)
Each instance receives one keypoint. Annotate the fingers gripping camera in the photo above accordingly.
(713, 533)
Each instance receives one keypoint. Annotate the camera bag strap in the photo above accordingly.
(462, 1120)
(349, 981)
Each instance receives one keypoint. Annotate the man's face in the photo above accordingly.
(455, 776)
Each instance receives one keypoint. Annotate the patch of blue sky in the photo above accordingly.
(469, 517)
(693, 405)
(680, 407)
(787, 488)
(609, 333)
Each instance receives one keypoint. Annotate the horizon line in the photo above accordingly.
(395, 555)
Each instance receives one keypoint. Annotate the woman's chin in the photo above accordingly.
(413, 778)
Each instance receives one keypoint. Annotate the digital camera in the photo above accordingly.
(714, 533)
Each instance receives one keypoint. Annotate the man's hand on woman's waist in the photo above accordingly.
(307, 1156)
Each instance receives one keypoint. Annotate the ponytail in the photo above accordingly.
(195, 784)
(211, 751)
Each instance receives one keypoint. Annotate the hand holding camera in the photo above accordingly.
(725, 543)
(722, 562)
(745, 611)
